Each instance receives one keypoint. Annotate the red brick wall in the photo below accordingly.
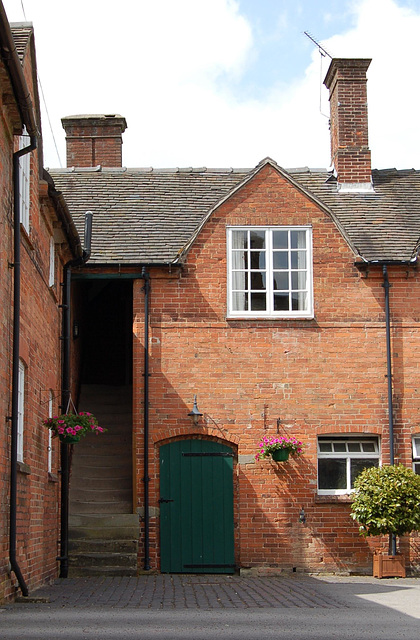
(320, 376)
(40, 348)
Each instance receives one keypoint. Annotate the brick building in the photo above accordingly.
(37, 237)
(223, 306)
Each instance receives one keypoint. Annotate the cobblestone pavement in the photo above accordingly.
(189, 592)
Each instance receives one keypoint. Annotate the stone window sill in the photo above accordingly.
(344, 499)
(24, 468)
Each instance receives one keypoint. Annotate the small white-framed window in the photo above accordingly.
(50, 414)
(341, 459)
(416, 454)
(21, 410)
(51, 277)
(270, 272)
(24, 181)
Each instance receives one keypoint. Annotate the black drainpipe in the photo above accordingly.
(15, 362)
(146, 479)
(65, 392)
(387, 285)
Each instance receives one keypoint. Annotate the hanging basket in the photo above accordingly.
(69, 439)
(280, 455)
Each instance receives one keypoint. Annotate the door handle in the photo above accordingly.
(163, 500)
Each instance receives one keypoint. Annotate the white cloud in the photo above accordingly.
(174, 70)
(390, 36)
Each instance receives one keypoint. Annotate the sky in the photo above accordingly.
(225, 83)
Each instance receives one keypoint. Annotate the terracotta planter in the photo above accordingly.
(385, 566)
(280, 455)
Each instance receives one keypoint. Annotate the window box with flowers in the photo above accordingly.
(279, 448)
(70, 427)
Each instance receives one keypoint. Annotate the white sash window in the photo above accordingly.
(270, 272)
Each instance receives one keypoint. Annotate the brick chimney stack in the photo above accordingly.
(94, 140)
(350, 154)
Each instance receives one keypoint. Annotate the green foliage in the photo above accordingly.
(387, 501)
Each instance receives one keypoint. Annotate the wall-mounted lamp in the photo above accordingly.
(302, 517)
(195, 413)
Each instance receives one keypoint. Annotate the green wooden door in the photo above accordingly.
(196, 507)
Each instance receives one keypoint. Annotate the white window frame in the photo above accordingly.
(21, 410)
(416, 453)
(51, 277)
(24, 181)
(346, 455)
(268, 270)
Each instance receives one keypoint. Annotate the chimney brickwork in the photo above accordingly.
(94, 140)
(350, 154)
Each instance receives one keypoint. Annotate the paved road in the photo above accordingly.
(166, 607)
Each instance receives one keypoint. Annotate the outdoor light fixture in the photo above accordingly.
(195, 413)
(302, 517)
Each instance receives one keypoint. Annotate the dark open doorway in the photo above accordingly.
(107, 332)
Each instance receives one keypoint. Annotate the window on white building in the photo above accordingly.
(24, 181)
(341, 459)
(21, 410)
(270, 272)
(416, 454)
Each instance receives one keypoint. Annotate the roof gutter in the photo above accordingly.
(11, 59)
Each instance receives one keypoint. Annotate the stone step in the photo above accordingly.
(112, 482)
(100, 533)
(100, 526)
(103, 531)
(104, 461)
(85, 492)
(87, 572)
(88, 507)
(126, 546)
(97, 559)
(106, 470)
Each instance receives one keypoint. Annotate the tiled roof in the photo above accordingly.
(150, 216)
(384, 225)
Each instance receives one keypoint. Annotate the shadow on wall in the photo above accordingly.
(272, 533)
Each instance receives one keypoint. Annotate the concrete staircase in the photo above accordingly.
(103, 531)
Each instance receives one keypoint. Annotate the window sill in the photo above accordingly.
(53, 291)
(273, 316)
(23, 468)
(345, 498)
(26, 235)
(270, 318)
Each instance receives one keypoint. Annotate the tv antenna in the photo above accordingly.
(322, 51)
